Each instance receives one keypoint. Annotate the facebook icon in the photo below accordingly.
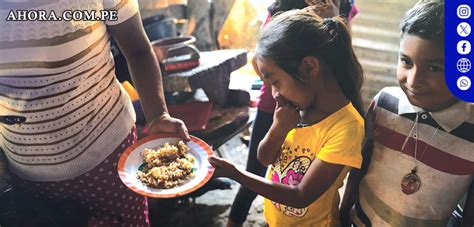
(464, 47)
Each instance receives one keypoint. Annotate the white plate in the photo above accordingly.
(131, 160)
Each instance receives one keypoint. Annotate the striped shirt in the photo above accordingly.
(60, 75)
(445, 157)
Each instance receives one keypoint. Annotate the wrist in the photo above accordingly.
(277, 134)
(281, 128)
(158, 118)
(236, 174)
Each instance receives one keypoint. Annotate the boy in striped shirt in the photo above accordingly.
(418, 154)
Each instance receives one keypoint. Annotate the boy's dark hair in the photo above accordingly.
(426, 20)
(296, 34)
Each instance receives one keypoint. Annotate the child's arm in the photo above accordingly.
(269, 148)
(328, 8)
(319, 177)
(146, 75)
(285, 118)
(352, 188)
(468, 211)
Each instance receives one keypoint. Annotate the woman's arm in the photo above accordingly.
(319, 177)
(146, 75)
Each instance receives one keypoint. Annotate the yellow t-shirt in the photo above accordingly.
(336, 139)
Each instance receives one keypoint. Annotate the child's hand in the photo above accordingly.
(323, 8)
(286, 115)
(224, 168)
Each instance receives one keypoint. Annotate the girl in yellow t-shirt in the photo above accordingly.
(317, 130)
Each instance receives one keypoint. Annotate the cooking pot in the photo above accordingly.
(176, 46)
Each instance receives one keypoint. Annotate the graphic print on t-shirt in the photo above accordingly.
(289, 169)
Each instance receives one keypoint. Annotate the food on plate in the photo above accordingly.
(166, 167)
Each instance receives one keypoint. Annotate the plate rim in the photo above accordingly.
(130, 149)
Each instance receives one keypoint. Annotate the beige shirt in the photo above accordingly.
(60, 75)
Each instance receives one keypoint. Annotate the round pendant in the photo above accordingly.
(410, 183)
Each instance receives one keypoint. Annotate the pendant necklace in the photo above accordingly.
(411, 182)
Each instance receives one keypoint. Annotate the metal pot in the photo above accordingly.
(156, 27)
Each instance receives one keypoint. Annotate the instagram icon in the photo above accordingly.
(463, 11)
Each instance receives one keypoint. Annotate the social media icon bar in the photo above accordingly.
(464, 29)
(464, 11)
(464, 47)
(458, 55)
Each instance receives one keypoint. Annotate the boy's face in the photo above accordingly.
(420, 73)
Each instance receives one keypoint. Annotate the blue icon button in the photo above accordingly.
(463, 65)
(464, 29)
(464, 47)
(464, 83)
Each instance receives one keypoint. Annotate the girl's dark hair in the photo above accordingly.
(426, 20)
(296, 34)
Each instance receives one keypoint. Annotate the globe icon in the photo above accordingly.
(464, 65)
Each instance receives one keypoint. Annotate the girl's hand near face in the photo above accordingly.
(286, 115)
(285, 118)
